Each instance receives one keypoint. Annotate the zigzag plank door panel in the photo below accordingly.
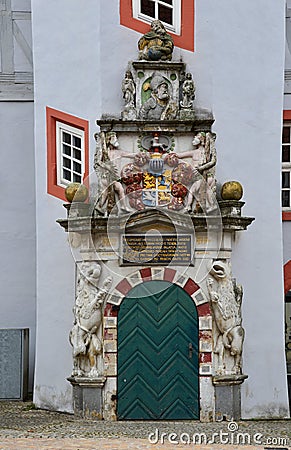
(158, 354)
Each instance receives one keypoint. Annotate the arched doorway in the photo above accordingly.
(157, 354)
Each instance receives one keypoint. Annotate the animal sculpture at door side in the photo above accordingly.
(88, 318)
(225, 299)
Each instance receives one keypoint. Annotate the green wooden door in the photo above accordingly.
(158, 354)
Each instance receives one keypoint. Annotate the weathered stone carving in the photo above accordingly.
(160, 105)
(88, 318)
(188, 92)
(128, 92)
(225, 299)
(203, 189)
(157, 44)
(108, 173)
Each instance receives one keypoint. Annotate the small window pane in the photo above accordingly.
(77, 154)
(77, 167)
(285, 199)
(166, 14)
(148, 7)
(169, 2)
(286, 153)
(66, 137)
(66, 174)
(77, 178)
(67, 163)
(285, 179)
(66, 150)
(76, 141)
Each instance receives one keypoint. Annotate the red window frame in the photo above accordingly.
(184, 40)
(286, 215)
(53, 116)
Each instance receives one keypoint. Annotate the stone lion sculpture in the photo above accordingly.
(225, 299)
(88, 318)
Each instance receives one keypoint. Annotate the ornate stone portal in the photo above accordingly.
(153, 214)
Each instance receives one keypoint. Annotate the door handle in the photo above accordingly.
(190, 350)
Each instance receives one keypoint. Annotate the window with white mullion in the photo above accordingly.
(70, 149)
(286, 167)
(167, 11)
(286, 189)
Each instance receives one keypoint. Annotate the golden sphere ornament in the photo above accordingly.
(76, 192)
(231, 190)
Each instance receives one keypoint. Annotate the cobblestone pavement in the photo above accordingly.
(23, 427)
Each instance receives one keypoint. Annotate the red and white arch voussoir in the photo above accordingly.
(188, 285)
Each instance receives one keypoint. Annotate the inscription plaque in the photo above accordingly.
(156, 249)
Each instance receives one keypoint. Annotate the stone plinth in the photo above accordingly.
(228, 396)
(231, 207)
(87, 396)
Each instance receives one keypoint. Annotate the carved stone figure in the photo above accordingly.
(225, 299)
(157, 44)
(160, 104)
(128, 90)
(106, 155)
(188, 91)
(203, 157)
(88, 317)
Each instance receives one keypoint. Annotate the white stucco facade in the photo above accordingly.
(80, 56)
(17, 223)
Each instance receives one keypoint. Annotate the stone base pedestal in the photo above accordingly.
(231, 207)
(87, 396)
(228, 397)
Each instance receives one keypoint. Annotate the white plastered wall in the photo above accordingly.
(66, 69)
(17, 221)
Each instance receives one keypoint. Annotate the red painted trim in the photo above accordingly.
(124, 286)
(190, 287)
(286, 215)
(287, 114)
(287, 277)
(184, 40)
(110, 311)
(169, 274)
(52, 116)
(146, 274)
(205, 357)
(204, 310)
